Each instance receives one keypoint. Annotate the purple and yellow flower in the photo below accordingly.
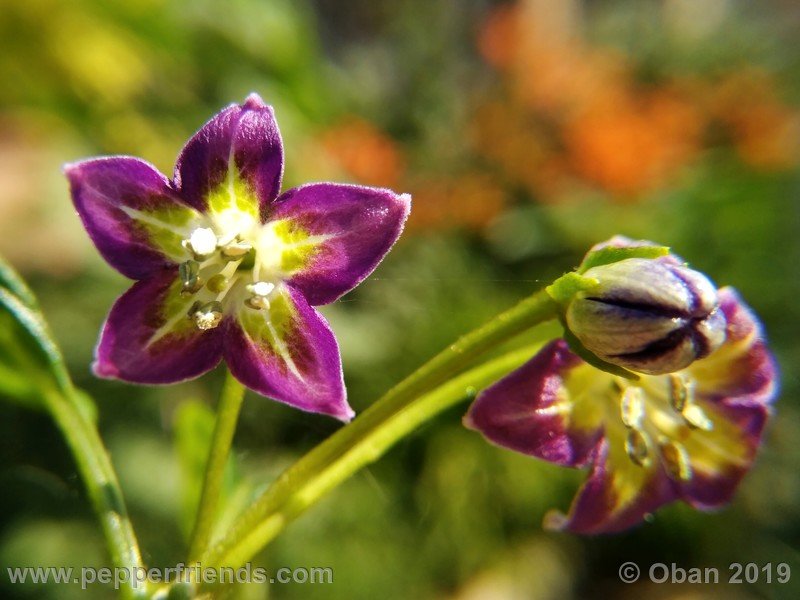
(225, 267)
(691, 434)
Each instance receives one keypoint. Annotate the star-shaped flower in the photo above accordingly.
(691, 434)
(225, 267)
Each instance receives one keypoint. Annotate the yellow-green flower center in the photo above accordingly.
(231, 261)
(657, 413)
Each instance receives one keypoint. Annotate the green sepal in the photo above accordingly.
(579, 349)
(564, 289)
(608, 255)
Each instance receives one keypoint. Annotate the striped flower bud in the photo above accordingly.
(653, 316)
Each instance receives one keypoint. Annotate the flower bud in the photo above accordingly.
(650, 316)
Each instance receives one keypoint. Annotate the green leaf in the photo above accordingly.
(29, 343)
(606, 256)
(10, 280)
(30, 360)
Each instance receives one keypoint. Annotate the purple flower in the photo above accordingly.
(225, 267)
(689, 435)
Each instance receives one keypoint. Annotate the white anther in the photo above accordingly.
(681, 391)
(260, 288)
(696, 418)
(676, 460)
(236, 250)
(208, 316)
(637, 445)
(203, 241)
(260, 291)
(632, 407)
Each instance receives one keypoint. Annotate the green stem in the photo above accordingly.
(100, 480)
(230, 403)
(355, 446)
(66, 406)
(369, 436)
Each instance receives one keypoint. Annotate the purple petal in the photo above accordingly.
(288, 353)
(735, 387)
(134, 217)
(149, 337)
(236, 157)
(533, 411)
(617, 494)
(742, 371)
(720, 458)
(349, 230)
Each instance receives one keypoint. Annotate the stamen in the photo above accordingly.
(696, 418)
(208, 316)
(681, 391)
(260, 288)
(193, 309)
(637, 445)
(202, 243)
(189, 274)
(632, 406)
(236, 249)
(257, 303)
(676, 460)
(260, 291)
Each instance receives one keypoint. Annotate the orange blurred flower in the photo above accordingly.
(635, 144)
(470, 201)
(764, 131)
(498, 39)
(574, 111)
(364, 152)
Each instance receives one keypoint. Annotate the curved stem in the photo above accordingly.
(355, 446)
(230, 403)
(101, 482)
(368, 437)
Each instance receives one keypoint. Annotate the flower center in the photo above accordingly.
(226, 271)
(659, 412)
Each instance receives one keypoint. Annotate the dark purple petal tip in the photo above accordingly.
(115, 196)
(242, 143)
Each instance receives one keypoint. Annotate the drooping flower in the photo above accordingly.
(689, 435)
(225, 267)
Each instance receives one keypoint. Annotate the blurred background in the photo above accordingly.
(526, 131)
